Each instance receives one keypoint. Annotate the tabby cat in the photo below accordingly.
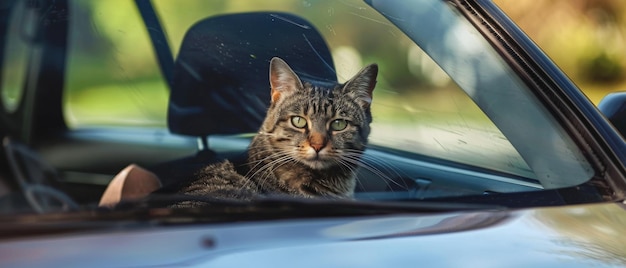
(309, 144)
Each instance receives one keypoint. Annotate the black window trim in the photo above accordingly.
(589, 130)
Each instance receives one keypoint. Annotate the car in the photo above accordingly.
(482, 152)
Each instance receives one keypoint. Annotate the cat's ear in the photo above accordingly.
(282, 79)
(361, 86)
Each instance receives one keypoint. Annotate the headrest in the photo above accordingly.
(221, 76)
(613, 106)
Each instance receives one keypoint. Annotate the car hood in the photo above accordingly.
(571, 236)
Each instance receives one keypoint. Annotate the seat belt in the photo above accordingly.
(158, 37)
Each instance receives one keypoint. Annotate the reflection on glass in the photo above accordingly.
(16, 57)
(593, 232)
(114, 80)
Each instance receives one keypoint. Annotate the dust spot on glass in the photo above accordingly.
(331, 11)
(317, 54)
(306, 4)
(352, 5)
(392, 17)
(371, 19)
(290, 21)
(331, 29)
(191, 71)
(443, 147)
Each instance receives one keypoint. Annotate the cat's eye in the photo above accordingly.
(298, 121)
(338, 124)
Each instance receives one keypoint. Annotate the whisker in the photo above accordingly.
(387, 166)
(267, 168)
(386, 179)
(343, 164)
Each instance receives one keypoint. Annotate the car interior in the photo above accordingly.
(220, 86)
(219, 92)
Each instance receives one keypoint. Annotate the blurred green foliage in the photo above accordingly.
(602, 68)
(586, 38)
(114, 80)
(111, 49)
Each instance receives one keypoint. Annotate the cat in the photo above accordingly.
(309, 145)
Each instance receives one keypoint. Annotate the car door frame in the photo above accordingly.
(602, 145)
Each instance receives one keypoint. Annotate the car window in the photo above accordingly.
(420, 109)
(112, 75)
(15, 56)
(499, 90)
(417, 107)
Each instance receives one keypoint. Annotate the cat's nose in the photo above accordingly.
(317, 141)
(317, 146)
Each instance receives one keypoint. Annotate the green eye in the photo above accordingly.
(298, 121)
(338, 124)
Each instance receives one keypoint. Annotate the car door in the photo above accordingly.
(38, 64)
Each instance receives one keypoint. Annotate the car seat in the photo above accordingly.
(613, 106)
(220, 82)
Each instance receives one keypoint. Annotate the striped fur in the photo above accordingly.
(318, 159)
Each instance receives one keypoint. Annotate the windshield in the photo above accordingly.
(417, 107)
(449, 117)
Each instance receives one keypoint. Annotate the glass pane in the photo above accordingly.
(16, 56)
(112, 74)
(419, 110)
(495, 87)
(417, 107)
